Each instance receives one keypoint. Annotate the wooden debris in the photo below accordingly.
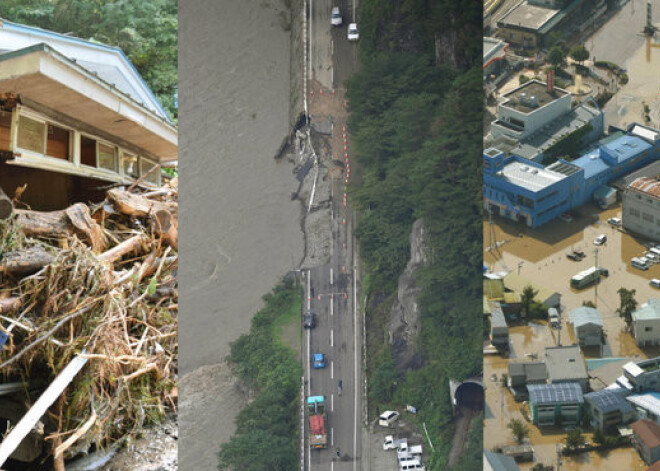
(102, 280)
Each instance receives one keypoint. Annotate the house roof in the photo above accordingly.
(609, 400)
(654, 467)
(533, 371)
(648, 432)
(565, 363)
(500, 462)
(585, 315)
(558, 393)
(45, 78)
(649, 401)
(107, 62)
(497, 316)
(518, 283)
(493, 288)
(649, 311)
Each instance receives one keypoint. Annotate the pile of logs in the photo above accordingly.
(94, 284)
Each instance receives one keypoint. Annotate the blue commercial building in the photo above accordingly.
(525, 191)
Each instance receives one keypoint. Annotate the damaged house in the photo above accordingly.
(75, 116)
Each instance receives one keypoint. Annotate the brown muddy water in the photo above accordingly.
(240, 230)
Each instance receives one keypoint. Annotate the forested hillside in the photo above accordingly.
(145, 30)
(416, 118)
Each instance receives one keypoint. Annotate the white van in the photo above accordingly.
(387, 418)
(652, 256)
(655, 283)
(655, 251)
(408, 465)
(640, 263)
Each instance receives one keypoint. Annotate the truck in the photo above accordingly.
(318, 437)
(390, 443)
(586, 278)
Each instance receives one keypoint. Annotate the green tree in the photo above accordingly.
(518, 429)
(574, 439)
(258, 450)
(527, 297)
(599, 437)
(627, 304)
(556, 56)
(579, 53)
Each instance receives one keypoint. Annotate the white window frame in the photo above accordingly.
(23, 112)
(121, 165)
(100, 142)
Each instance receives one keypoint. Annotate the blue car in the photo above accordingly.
(319, 360)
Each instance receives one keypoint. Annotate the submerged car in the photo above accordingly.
(353, 34)
(319, 360)
(335, 16)
(615, 222)
(566, 217)
(600, 240)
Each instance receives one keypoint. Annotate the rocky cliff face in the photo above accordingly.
(405, 318)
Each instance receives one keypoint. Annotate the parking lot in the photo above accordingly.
(540, 255)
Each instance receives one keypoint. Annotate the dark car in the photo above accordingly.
(573, 256)
(604, 271)
(579, 253)
(309, 320)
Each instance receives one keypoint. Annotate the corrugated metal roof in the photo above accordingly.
(585, 315)
(649, 401)
(646, 185)
(558, 393)
(500, 462)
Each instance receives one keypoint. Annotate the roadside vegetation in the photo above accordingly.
(272, 372)
(147, 32)
(416, 124)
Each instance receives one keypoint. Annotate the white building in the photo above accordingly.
(641, 207)
(646, 323)
(587, 325)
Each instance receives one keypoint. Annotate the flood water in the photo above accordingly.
(241, 231)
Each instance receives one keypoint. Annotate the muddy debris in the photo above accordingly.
(96, 282)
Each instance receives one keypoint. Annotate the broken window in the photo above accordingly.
(130, 165)
(31, 135)
(5, 129)
(145, 166)
(87, 151)
(58, 143)
(107, 157)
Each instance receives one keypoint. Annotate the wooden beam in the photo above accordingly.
(29, 420)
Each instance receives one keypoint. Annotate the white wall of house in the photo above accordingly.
(646, 332)
(641, 214)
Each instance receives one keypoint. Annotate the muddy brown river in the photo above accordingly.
(240, 230)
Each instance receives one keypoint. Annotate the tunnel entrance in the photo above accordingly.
(470, 396)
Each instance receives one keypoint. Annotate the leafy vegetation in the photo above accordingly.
(627, 304)
(270, 368)
(518, 429)
(574, 439)
(416, 125)
(145, 30)
(579, 53)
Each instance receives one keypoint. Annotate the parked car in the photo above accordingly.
(600, 240)
(616, 222)
(655, 283)
(319, 360)
(387, 418)
(335, 16)
(580, 253)
(566, 217)
(353, 34)
(573, 256)
(640, 263)
(309, 320)
(604, 271)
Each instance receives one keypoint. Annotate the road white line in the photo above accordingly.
(331, 277)
(332, 436)
(332, 370)
(311, 38)
(332, 340)
(309, 377)
(355, 342)
(332, 402)
(332, 305)
(309, 297)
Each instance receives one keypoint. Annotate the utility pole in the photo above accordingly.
(598, 282)
(558, 446)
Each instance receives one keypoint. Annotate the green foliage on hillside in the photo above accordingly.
(147, 32)
(270, 368)
(416, 128)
